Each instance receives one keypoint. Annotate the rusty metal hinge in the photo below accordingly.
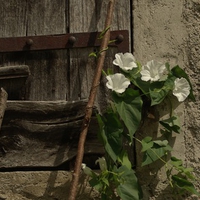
(64, 41)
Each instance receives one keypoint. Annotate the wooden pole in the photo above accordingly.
(3, 101)
(90, 104)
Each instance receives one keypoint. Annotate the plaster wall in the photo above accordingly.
(169, 31)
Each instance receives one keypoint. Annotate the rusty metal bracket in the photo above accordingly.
(64, 41)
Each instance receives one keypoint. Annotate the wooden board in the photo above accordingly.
(41, 134)
(89, 16)
(45, 133)
(48, 79)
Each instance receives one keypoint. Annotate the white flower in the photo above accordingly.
(181, 89)
(102, 163)
(125, 61)
(117, 82)
(153, 71)
(86, 169)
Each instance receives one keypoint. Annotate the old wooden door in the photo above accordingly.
(47, 100)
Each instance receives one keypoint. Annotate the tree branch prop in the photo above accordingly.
(90, 104)
(3, 100)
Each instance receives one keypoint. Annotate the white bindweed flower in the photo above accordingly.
(181, 89)
(125, 61)
(102, 163)
(153, 71)
(86, 169)
(117, 82)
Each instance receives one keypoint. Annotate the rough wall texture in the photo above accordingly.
(169, 31)
(49, 185)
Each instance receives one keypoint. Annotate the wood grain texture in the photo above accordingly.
(44, 133)
(48, 68)
(89, 16)
(3, 101)
(13, 78)
(48, 80)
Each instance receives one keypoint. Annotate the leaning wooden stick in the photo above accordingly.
(3, 101)
(90, 104)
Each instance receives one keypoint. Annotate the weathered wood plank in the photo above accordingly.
(44, 133)
(40, 134)
(14, 71)
(13, 79)
(3, 101)
(48, 69)
(13, 15)
(90, 16)
(49, 77)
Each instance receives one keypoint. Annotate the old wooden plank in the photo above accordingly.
(38, 111)
(12, 15)
(13, 78)
(48, 80)
(3, 101)
(90, 16)
(44, 133)
(46, 138)
(9, 72)
(48, 69)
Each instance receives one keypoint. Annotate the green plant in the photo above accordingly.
(131, 89)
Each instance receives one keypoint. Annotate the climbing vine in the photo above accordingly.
(130, 89)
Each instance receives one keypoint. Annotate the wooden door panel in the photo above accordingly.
(35, 134)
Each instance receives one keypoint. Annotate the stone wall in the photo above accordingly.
(169, 31)
(42, 185)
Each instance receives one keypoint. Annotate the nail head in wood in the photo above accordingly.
(29, 42)
(72, 40)
(120, 38)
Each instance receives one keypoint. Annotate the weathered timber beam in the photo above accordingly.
(44, 134)
(34, 154)
(9, 72)
(45, 107)
(13, 78)
(49, 112)
(3, 100)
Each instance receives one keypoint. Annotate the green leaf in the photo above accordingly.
(168, 67)
(129, 107)
(185, 184)
(178, 165)
(146, 144)
(155, 151)
(176, 162)
(142, 85)
(178, 72)
(103, 32)
(124, 160)
(163, 143)
(111, 134)
(128, 188)
(95, 183)
(135, 77)
(93, 54)
(171, 124)
(105, 180)
(158, 90)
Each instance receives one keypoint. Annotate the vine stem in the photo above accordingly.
(90, 104)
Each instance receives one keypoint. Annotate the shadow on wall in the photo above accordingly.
(61, 192)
